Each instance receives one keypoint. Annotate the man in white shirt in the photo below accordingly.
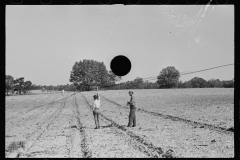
(96, 111)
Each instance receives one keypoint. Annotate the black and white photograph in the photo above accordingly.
(119, 81)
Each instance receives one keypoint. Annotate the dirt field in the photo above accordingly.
(170, 123)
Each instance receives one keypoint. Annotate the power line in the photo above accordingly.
(209, 69)
(202, 70)
(181, 73)
(157, 76)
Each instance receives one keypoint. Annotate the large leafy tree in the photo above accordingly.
(89, 73)
(8, 83)
(101, 77)
(168, 77)
(114, 77)
(110, 81)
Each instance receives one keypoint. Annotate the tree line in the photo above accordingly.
(45, 88)
(17, 85)
(87, 74)
(196, 82)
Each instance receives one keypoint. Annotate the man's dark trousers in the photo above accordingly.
(132, 117)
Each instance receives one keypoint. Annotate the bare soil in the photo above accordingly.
(170, 123)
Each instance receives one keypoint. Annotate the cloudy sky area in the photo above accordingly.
(44, 42)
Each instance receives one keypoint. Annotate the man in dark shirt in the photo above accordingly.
(132, 116)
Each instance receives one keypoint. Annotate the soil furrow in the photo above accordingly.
(108, 141)
(84, 148)
(23, 109)
(51, 103)
(54, 101)
(192, 123)
(170, 123)
(31, 141)
(185, 140)
(31, 115)
(57, 139)
(140, 143)
(26, 101)
(74, 149)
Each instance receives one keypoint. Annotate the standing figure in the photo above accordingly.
(62, 92)
(132, 115)
(96, 110)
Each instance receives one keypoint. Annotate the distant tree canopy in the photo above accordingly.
(27, 86)
(197, 82)
(150, 85)
(18, 84)
(214, 83)
(89, 73)
(168, 77)
(36, 87)
(228, 84)
(50, 88)
(8, 83)
(137, 83)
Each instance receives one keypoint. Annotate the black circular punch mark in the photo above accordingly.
(75, 1)
(133, 1)
(222, 1)
(120, 65)
(16, 1)
(46, 1)
(192, 1)
(104, 1)
(163, 1)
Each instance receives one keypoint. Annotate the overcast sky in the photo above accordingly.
(44, 42)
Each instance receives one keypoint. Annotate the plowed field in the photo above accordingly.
(170, 123)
